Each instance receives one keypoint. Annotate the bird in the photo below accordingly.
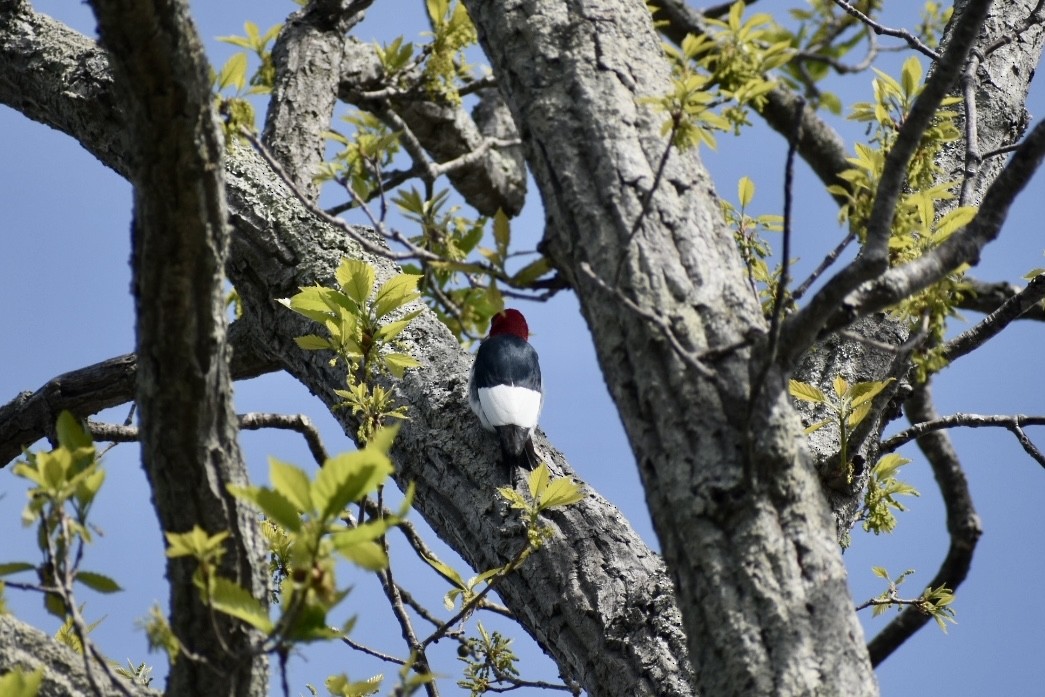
(505, 389)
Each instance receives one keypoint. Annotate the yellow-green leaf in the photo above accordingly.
(98, 582)
(745, 191)
(396, 292)
(292, 483)
(369, 555)
(561, 492)
(806, 392)
(232, 599)
(356, 278)
(538, 481)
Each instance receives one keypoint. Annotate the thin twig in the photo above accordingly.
(992, 325)
(254, 421)
(1013, 423)
(824, 265)
(912, 40)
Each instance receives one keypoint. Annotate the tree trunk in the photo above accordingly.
(744, 527)
(188, 428)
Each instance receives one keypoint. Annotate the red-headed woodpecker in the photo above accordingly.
(505, 390)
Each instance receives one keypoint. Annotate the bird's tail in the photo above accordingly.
(517, 448)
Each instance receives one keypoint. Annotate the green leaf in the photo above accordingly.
(817, 426)
(502, 233)
(446, 571)
(367, 532)
(21, 683)
(866, 391)
(859, 414)
(531, 272)
(15, 567)
(71, 433)
(232, 599)
(234, 72)
(396, 292)
(561, 492)
(538, 481)
(356, 278)
(291, 482)
(911, 75)
(348, 477)
(369, 555)
(398, 363)
(389, 331)
(880, 572)
(382, 440)
(514, 498)
(273, 504)
(98, 582)
(312, 342)
(745, 191)
(806, 392)
(309, 302)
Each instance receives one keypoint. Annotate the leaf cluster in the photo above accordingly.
(753, 248)
(235, 80)
(847, 405)
(921, 221)
(309, 514)
(452, 32)
(65, 482)
(363, 158)
(362, 334)
(935, 602)
(462, 291)
(489, 660)
(882, 489)
(718, 76)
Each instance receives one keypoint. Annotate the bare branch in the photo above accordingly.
(1016, 306)
(912, 40)
(963, 524)
(31, 415)
(1014, 423)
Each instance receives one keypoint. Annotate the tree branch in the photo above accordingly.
(307, 57)
(31, 416)
(802, 328)
(190, 450)
(963, 524)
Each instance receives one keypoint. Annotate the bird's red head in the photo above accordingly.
(509, 322)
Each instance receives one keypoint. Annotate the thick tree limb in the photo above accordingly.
(963, 524)
(28, 648)
(188, 428)
(720, 481)
(446, 131)
(307, 58)
(31, 415)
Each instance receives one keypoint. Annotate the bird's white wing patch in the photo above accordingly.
(509, 405)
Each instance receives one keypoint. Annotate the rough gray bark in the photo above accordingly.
(188, 429)
(307, 59)
(496, 181)
(744, 527)
(28, 648)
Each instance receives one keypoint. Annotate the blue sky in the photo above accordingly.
(65, 267)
